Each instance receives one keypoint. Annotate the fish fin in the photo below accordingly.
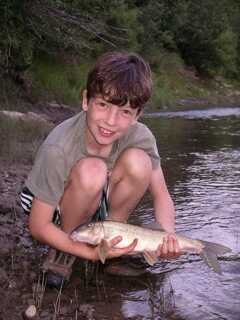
(150, 257)
(102, 250)
(210, 252)
(217, 248)
(210, 259)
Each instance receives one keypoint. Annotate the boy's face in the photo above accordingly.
(107, 122)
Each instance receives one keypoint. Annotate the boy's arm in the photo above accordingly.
(164, 213)
(43, 229)
(163, 204)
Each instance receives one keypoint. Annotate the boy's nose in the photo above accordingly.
(112, 116)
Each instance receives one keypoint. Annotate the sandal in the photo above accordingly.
(58, 267)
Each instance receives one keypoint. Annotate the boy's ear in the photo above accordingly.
(139, 114)
(84, 101)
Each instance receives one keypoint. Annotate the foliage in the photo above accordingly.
(226, 46)
(205, 33)
(201, 34)
(16, 45)
(31, 27)
(71, 33)
(157, 18)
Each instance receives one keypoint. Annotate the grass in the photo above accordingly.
(57, 303)
(39, 291)
(172, 81)
(62, 80)
(59, 81)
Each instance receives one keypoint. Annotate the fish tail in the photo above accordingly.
(210, 252)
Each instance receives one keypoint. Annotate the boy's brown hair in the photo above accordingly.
(121, 77)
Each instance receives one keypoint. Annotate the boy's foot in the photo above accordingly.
(58, 267)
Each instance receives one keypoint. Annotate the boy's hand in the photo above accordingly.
(170, 248)
(107, 249)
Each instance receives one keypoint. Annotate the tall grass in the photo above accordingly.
(172, 81)
(60, 81)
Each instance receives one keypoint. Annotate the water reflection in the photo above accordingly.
(201, 113)
(155, 302)
(200, 157)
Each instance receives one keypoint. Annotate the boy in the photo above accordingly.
(103, 147)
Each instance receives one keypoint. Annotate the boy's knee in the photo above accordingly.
(137, 163)
(90, 174)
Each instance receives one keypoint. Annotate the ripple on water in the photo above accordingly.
(211, 195)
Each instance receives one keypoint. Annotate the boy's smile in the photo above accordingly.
(106, 123)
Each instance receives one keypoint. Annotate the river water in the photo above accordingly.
(200, 153)
(201, 158)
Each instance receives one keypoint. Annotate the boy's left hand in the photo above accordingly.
(170, 248)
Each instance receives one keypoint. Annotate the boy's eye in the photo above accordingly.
(126, 112)
(102, 104)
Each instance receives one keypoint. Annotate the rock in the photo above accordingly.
(12, 114)
(29, 116)
(30, 312)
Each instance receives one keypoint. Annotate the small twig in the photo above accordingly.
(77, 303)
(39, 290)
(57, 303)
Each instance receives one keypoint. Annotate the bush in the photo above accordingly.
(226, 47)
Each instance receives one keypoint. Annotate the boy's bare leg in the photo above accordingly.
(129, 181)
(82, 193)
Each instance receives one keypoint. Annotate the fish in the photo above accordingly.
(149, 238)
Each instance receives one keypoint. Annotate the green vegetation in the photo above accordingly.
(57, 80)
(46, 47)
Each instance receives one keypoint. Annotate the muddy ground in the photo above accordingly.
(21, 256)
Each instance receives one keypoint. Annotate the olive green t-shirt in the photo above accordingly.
(65, 145)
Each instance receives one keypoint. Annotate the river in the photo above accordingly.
(200, 156)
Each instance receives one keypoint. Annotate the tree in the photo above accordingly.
(205, 35)
(29, 27)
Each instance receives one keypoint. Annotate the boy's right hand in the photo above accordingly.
(170, 247)
(107, 249)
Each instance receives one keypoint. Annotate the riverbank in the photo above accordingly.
(58, 82)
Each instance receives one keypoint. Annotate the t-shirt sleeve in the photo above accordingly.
(46, 179)
(141, 137)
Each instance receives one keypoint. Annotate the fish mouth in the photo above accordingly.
(75, 236)
(81, 238)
